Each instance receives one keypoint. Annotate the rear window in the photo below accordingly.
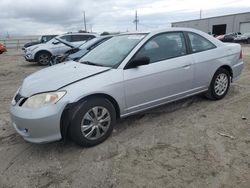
(77, 38)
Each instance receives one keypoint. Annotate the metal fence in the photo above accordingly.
(17, 43)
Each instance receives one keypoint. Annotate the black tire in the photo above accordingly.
(43, 58)
(75, 130)
(211, 93)
(52, 60)
(248, 41)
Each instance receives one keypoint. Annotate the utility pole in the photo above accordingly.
(200, 13)
(84, 20)
(136, 20)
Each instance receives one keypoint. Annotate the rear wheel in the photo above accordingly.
(219, 85)
(93, 122)
(43, 58)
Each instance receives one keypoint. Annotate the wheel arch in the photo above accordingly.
(39, 52)
(228, 68)
(106, 96)
(68, 112)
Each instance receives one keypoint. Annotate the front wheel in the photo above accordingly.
(43, 58)
(219, 85)
(93, 122)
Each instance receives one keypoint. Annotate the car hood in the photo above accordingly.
(58, 76)
(39, 45)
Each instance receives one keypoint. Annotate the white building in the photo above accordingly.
(220, 24)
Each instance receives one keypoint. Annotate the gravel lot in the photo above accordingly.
(183, 144)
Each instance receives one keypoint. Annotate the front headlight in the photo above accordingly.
(40, 100)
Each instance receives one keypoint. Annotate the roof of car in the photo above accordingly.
(163, 30)
(154, 32)
(93, 34)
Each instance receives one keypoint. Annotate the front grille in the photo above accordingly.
(17, 97)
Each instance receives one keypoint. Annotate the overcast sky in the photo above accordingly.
(33, 17)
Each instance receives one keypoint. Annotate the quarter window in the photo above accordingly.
(164, 46)
(199, 43)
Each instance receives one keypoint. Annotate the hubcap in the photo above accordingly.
(95, 123)
(221, 84)
(44, 59)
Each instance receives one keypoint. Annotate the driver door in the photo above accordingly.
(168, 76)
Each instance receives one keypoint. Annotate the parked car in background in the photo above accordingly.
(228, 37)
(42, 39)
(219, 37)
(42, 53)
(2, 48)
(245, 38)
(75, 53)
(125, 75)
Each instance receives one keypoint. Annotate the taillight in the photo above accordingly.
(241, 54)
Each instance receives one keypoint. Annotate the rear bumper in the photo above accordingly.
(237, 69)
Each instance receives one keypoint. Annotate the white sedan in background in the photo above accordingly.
(41, 53)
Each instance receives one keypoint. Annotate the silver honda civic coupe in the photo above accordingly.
(125, 75)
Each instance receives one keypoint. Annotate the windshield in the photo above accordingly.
(88, 43)
(112, 52)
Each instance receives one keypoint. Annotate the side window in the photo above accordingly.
(66, 37)
(199, 43)
(77, 38)
(164, 46)
(43, 39)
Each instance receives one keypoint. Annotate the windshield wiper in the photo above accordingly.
(91, 63)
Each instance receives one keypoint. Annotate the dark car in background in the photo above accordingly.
(75, 53)
(42, 39)
(228, 37)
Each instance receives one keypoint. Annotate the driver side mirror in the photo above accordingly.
(55, 42)
(138, 61)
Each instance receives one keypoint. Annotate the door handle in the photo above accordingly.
(186, 66)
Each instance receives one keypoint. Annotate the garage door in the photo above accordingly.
(245, 27)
